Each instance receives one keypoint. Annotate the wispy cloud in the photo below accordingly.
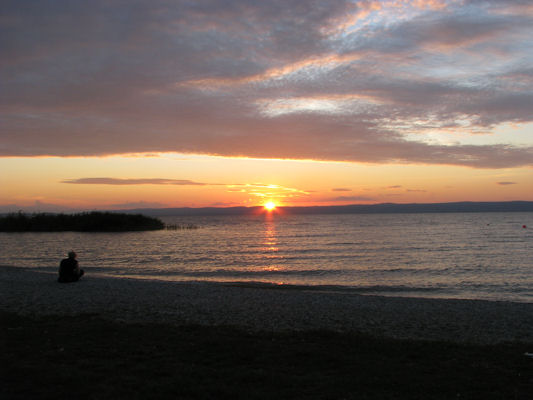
(341, 190)
(143, 181)
(225, 204)
(350, 198)
(137, 204)
(332, 80)
(36, 206)
(261, 190)
(506, 183)
(267, 191)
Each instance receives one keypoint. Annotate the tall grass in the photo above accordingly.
(81, 222)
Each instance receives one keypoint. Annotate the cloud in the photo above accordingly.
(351, 198)
(506, 183)
(40, 206)
(341, 190)
(333, 81)
(144, 181)
(447, 32)
(36, 207)
(137, 204)
(225, 204)
(262, 190)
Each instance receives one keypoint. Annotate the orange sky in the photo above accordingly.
(113, 105)
(178, 180)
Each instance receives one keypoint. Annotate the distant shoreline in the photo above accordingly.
(380, 208)
(383, 208)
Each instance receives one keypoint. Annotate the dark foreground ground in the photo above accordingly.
(86, 357)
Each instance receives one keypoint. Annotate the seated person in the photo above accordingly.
(69, 271)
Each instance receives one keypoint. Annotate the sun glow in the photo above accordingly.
(270, 206)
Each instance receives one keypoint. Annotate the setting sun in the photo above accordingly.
(270, 206)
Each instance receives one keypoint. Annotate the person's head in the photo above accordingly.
(71, 254)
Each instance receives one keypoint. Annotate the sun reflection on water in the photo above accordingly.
(271, 249)
(270, 240)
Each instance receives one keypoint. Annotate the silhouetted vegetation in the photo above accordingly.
(178, 227)
(82, 222)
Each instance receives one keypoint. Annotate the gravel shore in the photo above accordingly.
(34, 291)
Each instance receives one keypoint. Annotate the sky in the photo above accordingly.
(132, 104)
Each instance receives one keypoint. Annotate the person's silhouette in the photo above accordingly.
(69, 270)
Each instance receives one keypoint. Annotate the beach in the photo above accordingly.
(109, 337)
(35, 291)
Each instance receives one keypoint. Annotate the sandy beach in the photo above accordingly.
(34, 291)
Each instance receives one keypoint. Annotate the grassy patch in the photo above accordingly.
(86, 357)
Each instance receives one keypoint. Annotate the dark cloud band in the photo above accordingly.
(336, 80)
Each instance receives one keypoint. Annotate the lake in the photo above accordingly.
(449, 255)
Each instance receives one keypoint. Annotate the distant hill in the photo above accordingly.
(385, 208)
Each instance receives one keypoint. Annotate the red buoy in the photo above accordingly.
(523, 226)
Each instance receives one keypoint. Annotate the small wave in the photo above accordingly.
(248, 273)
(397, 289)
(372, 289)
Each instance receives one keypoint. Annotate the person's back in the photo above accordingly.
(69, 270)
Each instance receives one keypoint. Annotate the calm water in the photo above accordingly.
(478, 255)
